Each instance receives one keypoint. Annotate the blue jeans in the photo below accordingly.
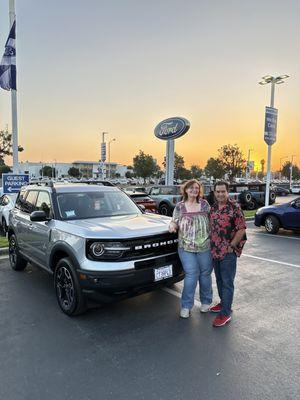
(225, 273)
(197, 267)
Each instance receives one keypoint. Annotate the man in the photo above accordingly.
(228, 236)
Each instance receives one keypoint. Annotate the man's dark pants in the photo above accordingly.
(225, 273)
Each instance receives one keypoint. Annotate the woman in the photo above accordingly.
(190, 219)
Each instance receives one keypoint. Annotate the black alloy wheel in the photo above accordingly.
(17, 263)
(68, 292)
(252, 205)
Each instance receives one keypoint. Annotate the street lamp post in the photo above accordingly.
(112, 140)
(280, 165)
(248, 165)
(291, 171)
(274, 81)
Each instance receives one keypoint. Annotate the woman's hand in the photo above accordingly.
(173, 227)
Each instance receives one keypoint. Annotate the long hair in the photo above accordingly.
(187, 185)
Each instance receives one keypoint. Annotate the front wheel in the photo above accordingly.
(17, 263)
(67, 288)
(272, 224)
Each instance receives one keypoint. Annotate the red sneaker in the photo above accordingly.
(216, 308)
(221, 320)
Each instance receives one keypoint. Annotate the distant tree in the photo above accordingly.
(6, 145)
(232, 160)
(74, 172)
(183, 174)
(196, 172)
(158, 172)
(287, 168)
(214, 168)
(4, 169)
(47, 171)
(144, 165)
(128, 175)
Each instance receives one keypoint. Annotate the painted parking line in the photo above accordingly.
(178, 294)
(272, 236)
(272, 261)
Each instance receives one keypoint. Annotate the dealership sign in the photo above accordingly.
(172, 128)
(270, 125)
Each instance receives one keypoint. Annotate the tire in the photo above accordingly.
(252, 205)
(67, 288)
(245, 197)
(272, 224)
(164, 209)
(17, 263)
(272, 197)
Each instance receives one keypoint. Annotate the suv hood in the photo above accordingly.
(119, 227)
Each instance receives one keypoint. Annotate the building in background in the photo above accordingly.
(87, 169)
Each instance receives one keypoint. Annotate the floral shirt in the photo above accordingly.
(224, 223)
(193, 232)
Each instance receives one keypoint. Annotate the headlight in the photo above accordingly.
(106, 250)
(259, 211)
(97, 249)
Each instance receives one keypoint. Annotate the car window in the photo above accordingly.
(166, 191)
(95, 205)
(297, 203)
(4, 201)
(154, 191)
(28, 205)
(43, 203)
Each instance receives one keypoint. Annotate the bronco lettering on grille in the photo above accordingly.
(156, 244)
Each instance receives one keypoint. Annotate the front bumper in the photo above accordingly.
(258, 219)
(107, 286)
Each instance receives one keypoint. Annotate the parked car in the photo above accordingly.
(166, 197)
(250, 195)
(295, 189)
(95, 242)
(280, 191)
(142, 199)
(7, 202)
(285, 216)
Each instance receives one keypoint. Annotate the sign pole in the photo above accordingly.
(269, 150)
(170, 162)
(14, 114)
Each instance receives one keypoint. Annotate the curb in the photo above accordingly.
(3, 251)
(249, 218)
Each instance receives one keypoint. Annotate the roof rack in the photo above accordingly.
(48, 183)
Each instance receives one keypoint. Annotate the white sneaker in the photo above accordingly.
(205, 307)
(184, 313)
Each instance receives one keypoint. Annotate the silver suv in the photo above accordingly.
(94, 240)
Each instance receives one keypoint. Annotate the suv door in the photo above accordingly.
(38, 240)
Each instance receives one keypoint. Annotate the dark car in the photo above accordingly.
(285, 216)
(142, 199)
(281, 191)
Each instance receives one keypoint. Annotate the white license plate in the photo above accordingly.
(163, 273)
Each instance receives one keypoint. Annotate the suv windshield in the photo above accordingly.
(95, 205)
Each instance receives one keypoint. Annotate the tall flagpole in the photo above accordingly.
(14, 114)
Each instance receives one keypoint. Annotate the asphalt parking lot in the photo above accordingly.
(141, 349)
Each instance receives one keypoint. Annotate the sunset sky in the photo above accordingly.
(122, 66)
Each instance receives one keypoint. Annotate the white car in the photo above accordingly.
(295, 189)
(7, 202)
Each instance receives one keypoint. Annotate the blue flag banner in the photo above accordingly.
(8, 72)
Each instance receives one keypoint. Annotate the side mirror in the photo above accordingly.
(38, 216)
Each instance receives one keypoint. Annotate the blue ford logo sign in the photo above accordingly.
(172, 128)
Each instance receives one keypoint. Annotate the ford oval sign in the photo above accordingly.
(172, 128)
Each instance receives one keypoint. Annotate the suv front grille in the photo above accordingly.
(142, 247)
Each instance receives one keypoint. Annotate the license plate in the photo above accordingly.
(163, 273)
